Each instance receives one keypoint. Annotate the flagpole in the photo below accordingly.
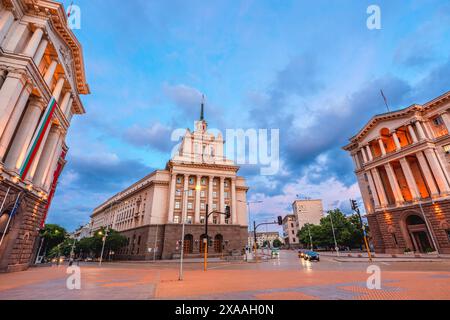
(4, 199)
(9, 219)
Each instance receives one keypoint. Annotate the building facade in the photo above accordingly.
(401, 162)
(41, 78)
(150, 212)
(262, 238)
(290, 230)
(307, 212)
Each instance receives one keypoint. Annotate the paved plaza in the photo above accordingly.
(287, 278)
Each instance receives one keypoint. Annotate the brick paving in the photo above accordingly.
(288, 278)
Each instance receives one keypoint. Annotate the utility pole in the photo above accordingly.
(334, 234)
(355, 208)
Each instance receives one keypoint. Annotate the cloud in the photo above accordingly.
(183, 96)
(156, 136)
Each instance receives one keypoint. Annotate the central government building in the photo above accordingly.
(402, 161)
(149, 213)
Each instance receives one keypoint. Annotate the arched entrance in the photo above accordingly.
(218, 243)
(202, 243)
(188, 244)
(418, 232)
(4, 217)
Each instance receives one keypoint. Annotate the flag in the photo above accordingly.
(38, 137)
(385, 100)
(69, 12)
(16, 206)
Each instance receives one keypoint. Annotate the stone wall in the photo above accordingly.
(18, 247)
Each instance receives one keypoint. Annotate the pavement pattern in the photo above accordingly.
(286, 278)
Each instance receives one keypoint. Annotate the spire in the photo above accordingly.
(202, 112)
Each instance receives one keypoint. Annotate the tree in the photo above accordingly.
(93, 245)
(277, 243)
(53, 235)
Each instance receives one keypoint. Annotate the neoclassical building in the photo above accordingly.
(150, 212)
(41, 79)
(401, 161)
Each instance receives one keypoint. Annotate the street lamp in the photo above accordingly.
(334, 234)
(248, 203)
(107, 230)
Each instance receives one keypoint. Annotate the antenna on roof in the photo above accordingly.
(385, 101)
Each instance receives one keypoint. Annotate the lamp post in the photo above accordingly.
(334, 234)
(107, 230)
(248, 203)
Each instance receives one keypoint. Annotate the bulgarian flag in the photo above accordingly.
(38, 137)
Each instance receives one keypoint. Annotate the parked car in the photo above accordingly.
(301, 253)
(275, 252)
(311, 256)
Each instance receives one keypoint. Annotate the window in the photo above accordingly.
(202, 194)
(189, 220)
(203, 181)
(178, 193)
(226, 184)
(202, 206)
(214, 206)
(191, 192)
(448, 235)
(177, 205)
(227, 221)
(447, 149)
(292, 225)
(293, 232)
(438, 121)
(226, 195)
(214, 194)
(176, 219)
(191, 181)
(215, 183)
(202, 219)
(293, 240)
(178, 179)
(215, 220)
(190, 206)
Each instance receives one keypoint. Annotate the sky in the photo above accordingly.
(312, 69)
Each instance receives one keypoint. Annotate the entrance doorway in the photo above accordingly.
(418, 232)
(188, 244)
(218, 241)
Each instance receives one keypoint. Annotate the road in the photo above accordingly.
(285, 278)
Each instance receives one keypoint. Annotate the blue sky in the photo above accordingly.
(309, 68)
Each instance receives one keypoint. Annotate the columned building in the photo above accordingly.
(41, 78)
(151, 211)
(402, 165)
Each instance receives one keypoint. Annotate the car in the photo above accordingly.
(301, 253)
(275, 252)
(311, 256)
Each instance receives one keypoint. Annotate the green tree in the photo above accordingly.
(277, 243)
(53, 235)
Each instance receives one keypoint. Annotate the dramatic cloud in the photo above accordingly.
(157, 136)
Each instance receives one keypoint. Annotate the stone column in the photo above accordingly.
(380, 187)
(420, 130)
(47, 155)
(9, 94)
(19, 147)
(222, 199)
(50, 72)
(32, 46)
(364, 155)
(383, 149)
(173, 183)
(58, 88)
(16, 35)
(394, 184)
(369, 153)
(412, 133)
(373, 189)
(185, 198)
(53, 163)
(210, 197)
(13, 121)
(197, 199)
(37, 158)
(410, 179)
(234, 219)
(398, 146)
(427, 173)
(437, 171)
(6, 22)
(65, 102)
(446, 118)
(40, 52)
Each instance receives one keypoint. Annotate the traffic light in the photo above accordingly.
(354, 205)
(227, 212)
(280, 220)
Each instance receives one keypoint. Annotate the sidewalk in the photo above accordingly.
(377, 257)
